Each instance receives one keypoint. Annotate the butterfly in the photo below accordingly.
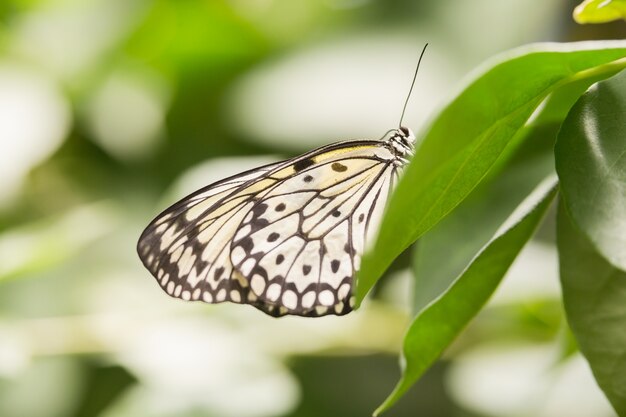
(286, 238)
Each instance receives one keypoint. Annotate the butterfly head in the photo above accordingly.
(402, 142)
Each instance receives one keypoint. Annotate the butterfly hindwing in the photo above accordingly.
(300, 245)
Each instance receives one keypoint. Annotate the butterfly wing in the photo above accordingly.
(300, 245)
(215, 244)
(187, 247)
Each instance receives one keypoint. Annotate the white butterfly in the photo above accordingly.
(286, 237)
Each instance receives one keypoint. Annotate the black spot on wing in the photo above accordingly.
(218, 273)
(246, 243)
(302, 164)
(258, 224)
(334, 265)
(259, 209)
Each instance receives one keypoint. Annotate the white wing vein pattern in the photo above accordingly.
(286, 238)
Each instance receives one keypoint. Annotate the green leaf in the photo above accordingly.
(471, 132)
(528, 159)
(559, 103)
(439, 323)
(600, 11)
(473, 223)
(594, 294)
(591, 162)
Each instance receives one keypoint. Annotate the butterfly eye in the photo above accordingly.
(408, 134)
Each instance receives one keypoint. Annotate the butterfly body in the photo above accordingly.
(286, 237)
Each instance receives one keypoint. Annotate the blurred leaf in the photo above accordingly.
(469, 135)
(592, 169)
(329, 382)
(47, 386)
(10, 8)
(104, 386)
(439, 323)
(203, 46)
(47, 243)
(600, 11)
(594, 294)
(194, 33)
(568, 344)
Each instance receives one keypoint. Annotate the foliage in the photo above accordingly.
(469, 135)
(439, 322)
(600, 11)
(478, 133)
(590, 160)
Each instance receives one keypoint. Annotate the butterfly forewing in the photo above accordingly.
(286, 238)
(187, 247)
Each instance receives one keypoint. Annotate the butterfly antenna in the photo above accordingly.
(412, 84)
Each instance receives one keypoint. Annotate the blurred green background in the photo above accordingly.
(112, 109)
